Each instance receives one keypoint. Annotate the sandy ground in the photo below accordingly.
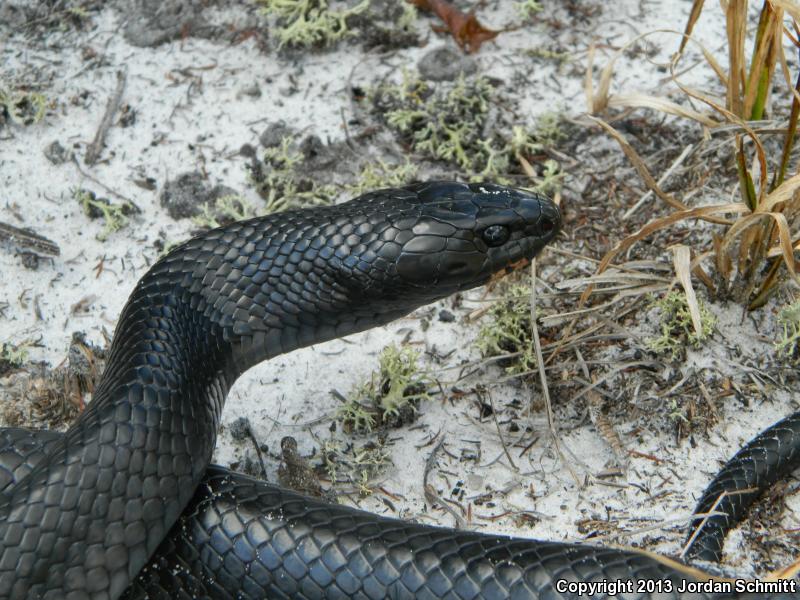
(195, 106)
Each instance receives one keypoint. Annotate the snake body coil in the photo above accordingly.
(84, 522)
(125, 504)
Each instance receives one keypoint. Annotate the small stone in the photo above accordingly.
(317, 154)
(56, 153)
(273, 135)
(445, 64)
(185, 196)
(30, 260)
(445, 316)
(240, 429)
(247, 150)
(253, 91)
(154, 22)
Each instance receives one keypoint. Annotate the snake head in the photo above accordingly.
(462, 234)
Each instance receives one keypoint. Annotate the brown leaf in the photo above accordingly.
(465, 28)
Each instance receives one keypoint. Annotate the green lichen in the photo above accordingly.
(353, 464)
(788, 346)
(408, 17)
(12, 355)
(310, 22)
(390, 397)
(226, 209)
(22, 107)
(282, 185)
(508, 331)
(447, 123)
(677, 330)
(455, 123)
(379, 174)
(527, 9)
(114, 216)
(548, 130)
(560, 58)
(550, 179)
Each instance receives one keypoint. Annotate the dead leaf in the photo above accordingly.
(465, 28)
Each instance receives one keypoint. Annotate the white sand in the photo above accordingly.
(192, 115)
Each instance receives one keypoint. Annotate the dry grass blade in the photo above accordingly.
(733, 118)
(703, 212)
(588, 80)
(790, 572)
(682, 260)
(697, 8)
(597, 102)
(661, 180)
(790, 6)
(639, 100)
(762, 67)
(784, 236)
(788, 143)
(783, 193)
(537, 345)
(736, 26)
(639, 165)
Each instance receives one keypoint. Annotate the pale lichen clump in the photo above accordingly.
(445, 124)
(22, 107)
(379, 175)
(226, 209)
(459, 123)
(13, 356)
(391, 396)
(677, 329)
(279, 181)
(508, 333)
(353, 464)
(527, 9)
(310, 22)
(114, 216)
(788, 346)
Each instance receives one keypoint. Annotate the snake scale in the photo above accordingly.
(125, 504)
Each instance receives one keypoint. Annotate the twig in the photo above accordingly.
(431, 495)
(252, 437)
(94, 180)
(711, 513)
(500, 433)
(551, 420)
(26, 238)
(96, 147)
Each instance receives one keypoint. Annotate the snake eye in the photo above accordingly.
(495, 235)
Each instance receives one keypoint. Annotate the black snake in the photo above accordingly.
(125, 503)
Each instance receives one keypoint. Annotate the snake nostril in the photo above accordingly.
(547, 224)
